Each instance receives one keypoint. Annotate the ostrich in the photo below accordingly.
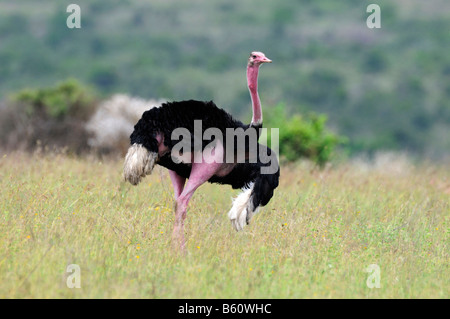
(153, 142)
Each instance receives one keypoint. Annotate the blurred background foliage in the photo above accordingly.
(384, 89)
(66, 99)
(53, 117)
(301, 136)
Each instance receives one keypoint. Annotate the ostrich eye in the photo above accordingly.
(254, 57)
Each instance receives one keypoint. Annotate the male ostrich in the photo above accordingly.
(152, 143)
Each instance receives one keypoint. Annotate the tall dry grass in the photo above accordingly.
(315, 239)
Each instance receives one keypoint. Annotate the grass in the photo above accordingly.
(315, 239)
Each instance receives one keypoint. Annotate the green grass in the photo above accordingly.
(315, 239)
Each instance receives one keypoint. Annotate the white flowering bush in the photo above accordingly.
(111, 125)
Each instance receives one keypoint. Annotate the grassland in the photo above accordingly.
(315, 239)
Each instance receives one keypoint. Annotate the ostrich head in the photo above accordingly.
(257, 58)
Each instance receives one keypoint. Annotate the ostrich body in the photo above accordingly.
(152, 143)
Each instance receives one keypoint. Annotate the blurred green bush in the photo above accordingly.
(52, 117)
(302, 136)
(68, 98)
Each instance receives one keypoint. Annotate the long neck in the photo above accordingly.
(252, 81)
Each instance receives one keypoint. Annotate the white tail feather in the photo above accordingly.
(242, 210)
(139, 162)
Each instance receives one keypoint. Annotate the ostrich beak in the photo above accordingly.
(266, 60)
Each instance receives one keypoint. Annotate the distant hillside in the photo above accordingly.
(385, 88)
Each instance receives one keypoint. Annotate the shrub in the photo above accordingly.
(301, 136)
(50, 117)
(69, 116)
(66, 98)
(112, 124)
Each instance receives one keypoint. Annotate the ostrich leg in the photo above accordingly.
(177, 183)
(200, 173)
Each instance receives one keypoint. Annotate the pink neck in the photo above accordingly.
(252, 81)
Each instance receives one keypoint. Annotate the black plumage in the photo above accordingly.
(172, 115)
